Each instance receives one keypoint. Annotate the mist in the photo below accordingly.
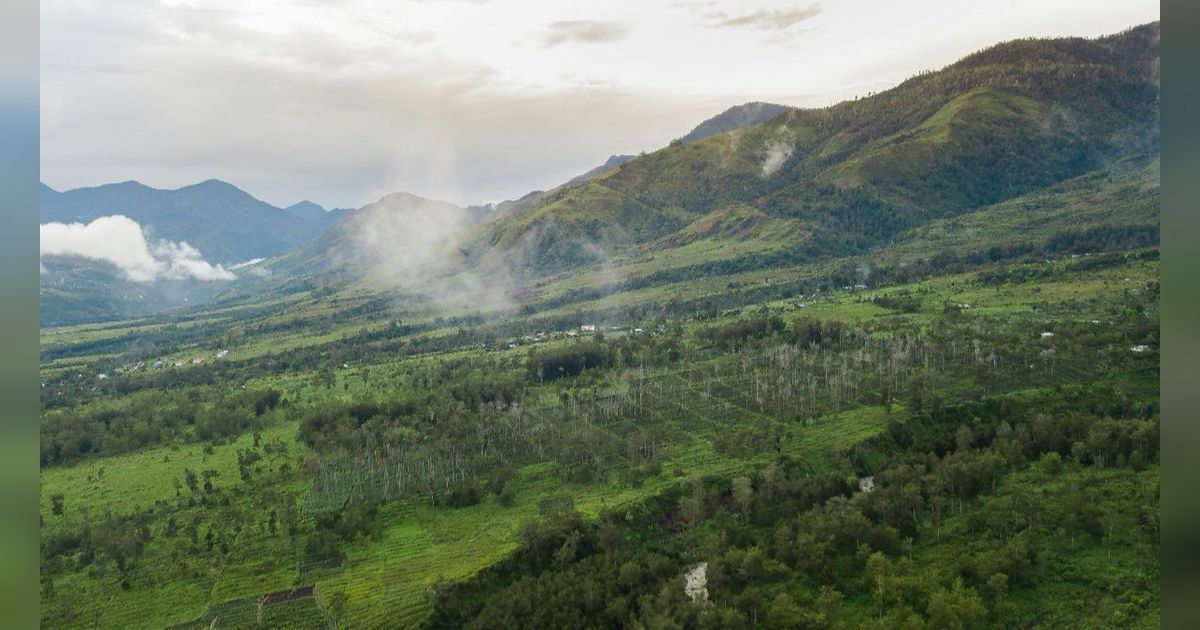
(411, 247)
(121, 241)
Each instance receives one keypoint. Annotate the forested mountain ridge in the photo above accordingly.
(735, 117)
(888, 364)
(1010, 119)
(226, 224)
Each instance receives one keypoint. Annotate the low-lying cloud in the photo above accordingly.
(409, 244)
(119, 240)
(777, 152)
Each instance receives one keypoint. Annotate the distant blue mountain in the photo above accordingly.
(227, 224)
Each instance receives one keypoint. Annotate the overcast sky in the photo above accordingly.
(467, 101)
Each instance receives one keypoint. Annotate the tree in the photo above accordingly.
(337, 604)
(956, 608)
(209, 475)
(189, 476)
(786, 613)
(743, 494)
(876, 575)
(691, 506)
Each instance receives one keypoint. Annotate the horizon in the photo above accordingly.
(460, 146)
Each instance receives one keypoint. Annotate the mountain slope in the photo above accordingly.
(1000, 123)
(309, 211)
(735, 117)
(224, 222)
(392, 235)
(77, 290)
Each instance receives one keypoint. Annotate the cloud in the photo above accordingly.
(777, 155)
(184, 261)
(778, 149)
(252, 261)
(765, 20)
(585, 32)
(119, 240)
(410, 246)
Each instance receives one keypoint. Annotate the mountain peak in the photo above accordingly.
(404, 197)
(213, 185)
(614, 161)
(308, 210)
(745, 115)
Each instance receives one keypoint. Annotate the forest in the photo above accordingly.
(907, 379)
(961, 526)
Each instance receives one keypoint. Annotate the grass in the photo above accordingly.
(131, 483)
(386, 579)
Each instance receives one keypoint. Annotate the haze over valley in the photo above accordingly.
(879, 352)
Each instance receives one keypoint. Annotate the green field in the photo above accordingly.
(905, 377)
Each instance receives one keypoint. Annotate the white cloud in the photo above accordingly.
(778, 149)
(343, 102)
(252, 261)
(184, 261)
(121, 241)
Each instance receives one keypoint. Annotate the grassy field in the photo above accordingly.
(384, 579)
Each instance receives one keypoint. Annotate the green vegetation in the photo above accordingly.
(907, 379)
(1006, 519)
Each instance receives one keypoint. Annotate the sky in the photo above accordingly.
(467, 101)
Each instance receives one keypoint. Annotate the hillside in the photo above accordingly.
(736, 117)
(75, 290)
(892, 363)
(227, 224)
(314, 213)
(733, 118)
(997, 124)
(396, 235)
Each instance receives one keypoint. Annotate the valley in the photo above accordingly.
(891, 363)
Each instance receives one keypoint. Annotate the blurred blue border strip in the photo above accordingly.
(19, 387)
(1180, 216)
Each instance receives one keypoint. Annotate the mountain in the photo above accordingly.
(226, 224)
(393, 235)
(77, 290)
(529, 200)
(612, 162)
(1000, 123)
(802, 184)
(735, 117)
(307, 210)
(893, 363)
